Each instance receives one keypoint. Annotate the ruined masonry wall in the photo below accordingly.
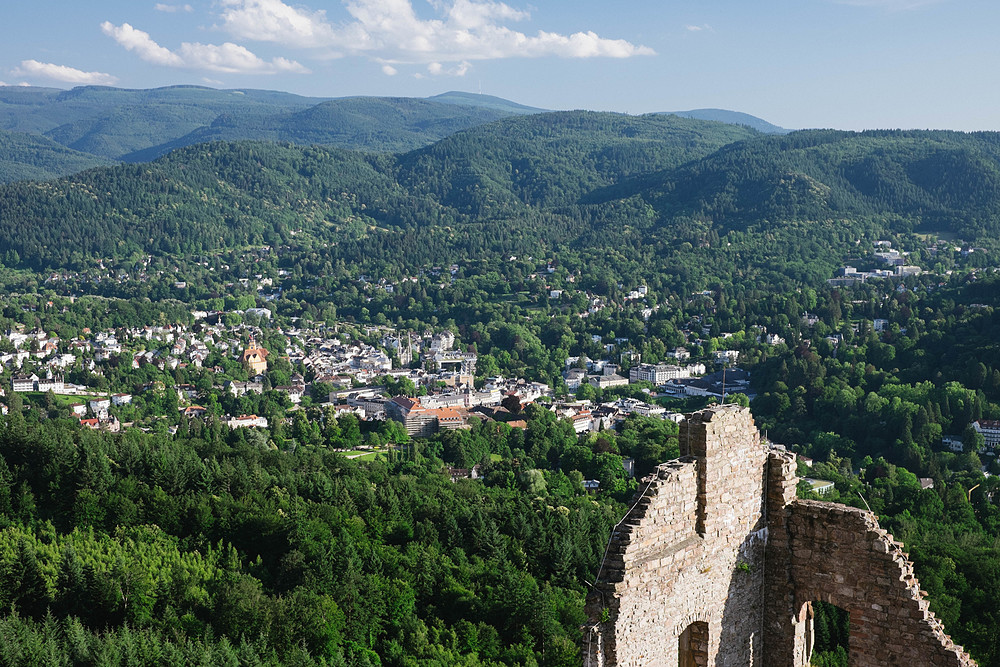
(841, 556)
(838, 554)
(692, 549)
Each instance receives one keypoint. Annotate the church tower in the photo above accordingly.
(255, 358)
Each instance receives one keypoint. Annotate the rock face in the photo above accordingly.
(717, 563)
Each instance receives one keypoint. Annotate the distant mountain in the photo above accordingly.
(732, 118)
(33, 157)
(558, 159)
(385, 124)
(932, 180)
(488, 101)
(140, 125)
(232, 194)
(113, 122)
(618, 189)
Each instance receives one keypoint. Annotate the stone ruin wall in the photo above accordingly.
(839, 554)
(690, 551)
(717, 541)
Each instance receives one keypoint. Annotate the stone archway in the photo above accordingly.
(692, 645)
(821, 629)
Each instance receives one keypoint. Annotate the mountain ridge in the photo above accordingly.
(137, 125)
(523, 182)
(732, 118)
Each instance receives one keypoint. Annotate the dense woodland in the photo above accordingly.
(196, 547)
(29, 156)
(210, 546)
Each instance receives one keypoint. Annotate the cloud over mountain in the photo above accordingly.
(62, 73)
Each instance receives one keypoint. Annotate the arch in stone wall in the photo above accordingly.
(692, 645)
(804, 629)
(805, 626)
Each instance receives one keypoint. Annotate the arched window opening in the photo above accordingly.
(693, 645)
(827, 631)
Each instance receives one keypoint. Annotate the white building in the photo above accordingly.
(990, 429)
(680, 354)
(606, 381)
(121, 399)
(727, 356)
(53, 384)
(24, 383)
(660, 373)
(246, 421)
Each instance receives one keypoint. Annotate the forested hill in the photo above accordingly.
(732, 117)
(393, 124)
(940, 181)
(30, 156)
(556, 159)
(139, 125)
(225, 195)
(113, 122)
(518, 185)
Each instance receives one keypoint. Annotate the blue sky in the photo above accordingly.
(850, 64)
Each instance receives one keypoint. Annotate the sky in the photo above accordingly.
(850, 64)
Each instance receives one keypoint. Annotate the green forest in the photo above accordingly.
(211, 547)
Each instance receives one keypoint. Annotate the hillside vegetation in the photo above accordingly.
(362, 123)
(32, 157)
(595, 181)
(225, 195)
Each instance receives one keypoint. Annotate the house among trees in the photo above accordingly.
(246, 421)
(418, 420)
(54, 384)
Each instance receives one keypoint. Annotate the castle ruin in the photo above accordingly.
(718, 563)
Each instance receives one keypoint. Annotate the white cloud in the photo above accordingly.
(170, 9)
(229, 58)
(274, 21)
(62, 73)
(698, 28)
(437, 69)
(389, 70)
(391, 31)
(140, 42)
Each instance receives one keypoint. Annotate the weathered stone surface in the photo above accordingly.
(717, 563)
